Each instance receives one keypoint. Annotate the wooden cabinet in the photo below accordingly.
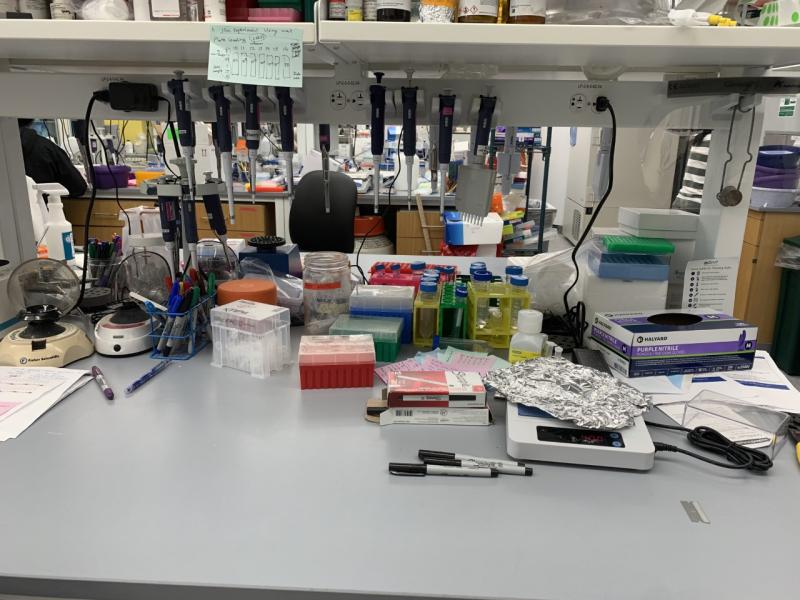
(759, 280)
(250, 219)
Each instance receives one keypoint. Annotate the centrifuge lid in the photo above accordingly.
(44, 281)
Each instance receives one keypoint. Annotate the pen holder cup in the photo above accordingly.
(752, 426)
(101, 271)
(180, 335)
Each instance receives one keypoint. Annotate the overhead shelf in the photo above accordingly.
(561, 47)
(145, 43)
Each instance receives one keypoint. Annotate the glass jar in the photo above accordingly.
(394, 10)
(437, 11)
(326, 289)
(530, 12)
(477, 11)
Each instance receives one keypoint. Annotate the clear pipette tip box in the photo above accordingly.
(251, 337)
(386, 332)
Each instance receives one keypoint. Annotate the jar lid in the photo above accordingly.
(519, 281)
(482, 276)
(418, 265)
(513, 270)
(429, 287)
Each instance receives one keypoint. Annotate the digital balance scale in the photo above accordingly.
(45, 290)
(532, 434)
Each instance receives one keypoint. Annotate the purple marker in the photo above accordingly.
(101, 381)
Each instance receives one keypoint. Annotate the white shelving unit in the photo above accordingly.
(661, 48)
(124, 45)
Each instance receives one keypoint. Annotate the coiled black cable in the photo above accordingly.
(712, 441)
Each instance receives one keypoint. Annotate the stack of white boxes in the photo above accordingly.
(677, 226)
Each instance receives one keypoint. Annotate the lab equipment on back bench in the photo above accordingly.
(223, 141)
(409, 96)
(252, 130)
(286, 122)
(447, 104)
(377, 102)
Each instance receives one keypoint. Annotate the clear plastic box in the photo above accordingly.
(385, 301)
(336, 361)
(386, 333)
(382, 297)
(746, 424)
(251, 337)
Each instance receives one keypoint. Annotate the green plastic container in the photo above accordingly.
(786, 343)
(631, 244)
(386, 333)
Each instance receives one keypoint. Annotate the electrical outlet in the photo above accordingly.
(577, 103)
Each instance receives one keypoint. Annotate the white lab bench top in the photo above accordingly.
(207, 483)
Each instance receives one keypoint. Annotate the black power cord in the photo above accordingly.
(385, 210)
(576, 315)
(712, 441)
(111, 174)
(103, 96)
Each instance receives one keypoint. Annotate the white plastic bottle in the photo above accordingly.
(529, 341)
(58, 236)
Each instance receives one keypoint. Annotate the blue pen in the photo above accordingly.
(147, 376)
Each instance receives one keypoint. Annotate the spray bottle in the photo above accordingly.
(58, 231)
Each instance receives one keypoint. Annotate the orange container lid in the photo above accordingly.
(256, 290)
(370, 225)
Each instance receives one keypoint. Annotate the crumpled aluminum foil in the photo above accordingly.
(570, 392)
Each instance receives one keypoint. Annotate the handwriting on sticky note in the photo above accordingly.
(256, 54)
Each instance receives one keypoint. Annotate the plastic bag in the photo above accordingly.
(788, 257)
(290, 295)
(549, 276)
(105, 10)
(608, 12)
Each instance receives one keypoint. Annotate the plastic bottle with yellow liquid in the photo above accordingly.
(529, 341)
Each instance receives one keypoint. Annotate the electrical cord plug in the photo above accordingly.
(601, 104)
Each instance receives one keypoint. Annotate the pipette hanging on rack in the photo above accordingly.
(252, 131)
(286, 122)
(409, 96)
(224, 142)
(447, 104)
(377, 101)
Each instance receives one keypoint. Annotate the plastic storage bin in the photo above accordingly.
(749, 425)
(251, 337)
(386, 333)
(336, 361)
(385, 301)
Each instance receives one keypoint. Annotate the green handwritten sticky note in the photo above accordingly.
(256, 54)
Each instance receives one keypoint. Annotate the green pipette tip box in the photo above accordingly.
(631, 244)
(386, 333)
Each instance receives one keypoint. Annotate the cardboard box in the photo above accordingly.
(674, 342)
(460, 233)
(408, 224)
(435, 389)
(436, 416)
(416, 246)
